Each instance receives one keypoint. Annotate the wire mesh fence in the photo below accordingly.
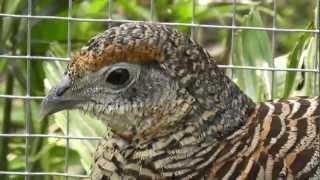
(69, 19)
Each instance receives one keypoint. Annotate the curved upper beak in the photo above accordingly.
(59, 99)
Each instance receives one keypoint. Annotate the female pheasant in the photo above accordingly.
(175, 115)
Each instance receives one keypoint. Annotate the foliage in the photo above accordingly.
(252, 48)
(50, 38)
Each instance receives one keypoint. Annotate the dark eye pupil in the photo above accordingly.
(118, 76)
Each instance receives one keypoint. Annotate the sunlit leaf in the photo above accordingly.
(252, 48)
(293, 62)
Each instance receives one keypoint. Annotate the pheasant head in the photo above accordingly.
(147, 80)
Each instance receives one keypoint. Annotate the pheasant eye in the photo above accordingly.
(118, 77)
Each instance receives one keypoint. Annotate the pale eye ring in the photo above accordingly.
(118, 76)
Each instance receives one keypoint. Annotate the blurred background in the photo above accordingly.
(272, 52)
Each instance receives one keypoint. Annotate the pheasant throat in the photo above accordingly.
(174, 151)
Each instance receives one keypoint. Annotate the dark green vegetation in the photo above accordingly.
(49, 38)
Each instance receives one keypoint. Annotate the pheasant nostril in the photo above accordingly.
(61, 90)
(64, 85)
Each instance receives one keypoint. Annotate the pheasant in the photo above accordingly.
(174, 114)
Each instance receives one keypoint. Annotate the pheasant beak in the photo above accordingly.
(59, 98)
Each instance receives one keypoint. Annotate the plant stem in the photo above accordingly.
(2, 5)
(4, 143)
(38, 145)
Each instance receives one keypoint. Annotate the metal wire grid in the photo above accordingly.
(28, 57)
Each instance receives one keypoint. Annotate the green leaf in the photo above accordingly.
(12, 7)
(252, 48)
(133, 10)
(309, 56)
(3, 65)
(293, 62)
(36, 77)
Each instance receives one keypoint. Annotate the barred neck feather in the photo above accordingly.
(184, 143)
(279, 140)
